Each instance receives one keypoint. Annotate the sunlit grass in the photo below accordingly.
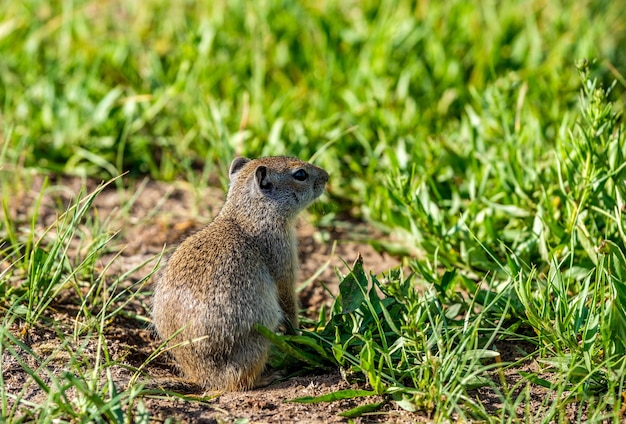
(478, 133)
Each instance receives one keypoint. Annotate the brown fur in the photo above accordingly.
(235, 273)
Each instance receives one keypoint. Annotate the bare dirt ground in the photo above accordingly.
(162, 214)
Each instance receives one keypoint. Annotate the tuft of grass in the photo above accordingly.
(70, 394)
(45, 263)
(412, 348)
(66, 364)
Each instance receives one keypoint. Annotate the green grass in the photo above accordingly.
(71, 369)
(487, 137)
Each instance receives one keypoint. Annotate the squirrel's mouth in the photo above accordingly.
(319, 188)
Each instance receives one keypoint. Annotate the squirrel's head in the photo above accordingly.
(275, 185)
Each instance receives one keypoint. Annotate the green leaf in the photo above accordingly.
(334, 396)
(360, 410)
(353, 288)
(533, 378)
(280, 342)
(404, 402)
(477, 382)
(481, 354)
(447, 280)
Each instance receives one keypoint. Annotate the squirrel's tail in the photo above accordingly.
(170, 384)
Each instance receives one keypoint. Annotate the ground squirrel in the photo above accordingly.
(237, 272)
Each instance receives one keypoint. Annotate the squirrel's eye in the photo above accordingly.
(300, 175)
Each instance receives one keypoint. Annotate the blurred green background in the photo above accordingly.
(156, 87)
(465, 102)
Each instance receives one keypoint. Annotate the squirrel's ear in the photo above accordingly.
(261, 178)
(236, 165)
